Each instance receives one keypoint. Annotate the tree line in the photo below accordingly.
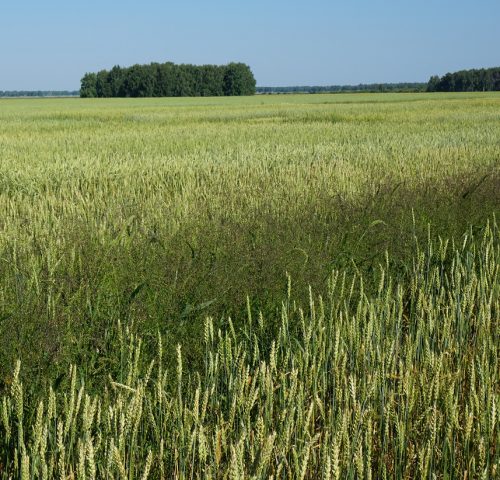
(482, 80)
(362, 87)
(39, 93)
(169, 80)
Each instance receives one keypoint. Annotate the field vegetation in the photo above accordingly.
(300, 286)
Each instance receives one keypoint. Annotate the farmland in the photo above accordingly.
(302, 286)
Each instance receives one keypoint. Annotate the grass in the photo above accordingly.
(392, 385)
(138, 219)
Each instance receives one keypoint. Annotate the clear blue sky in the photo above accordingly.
(50, 44)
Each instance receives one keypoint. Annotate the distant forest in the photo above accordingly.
(368, 87)
(39, 93)
(170, 80)
(482, 80)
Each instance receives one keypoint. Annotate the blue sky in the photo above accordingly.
(49, 45)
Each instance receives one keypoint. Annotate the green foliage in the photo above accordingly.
(362, 87)
(238, 80)
(482, 80)
(401, 383)
(89, 86)
(211, 200)
(40, 93)
(124, 219)
(103, 86)
(168, 79)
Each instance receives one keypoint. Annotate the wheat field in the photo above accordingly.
(294, 286)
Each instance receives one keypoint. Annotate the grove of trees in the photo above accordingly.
(482, 80)
(169, 80)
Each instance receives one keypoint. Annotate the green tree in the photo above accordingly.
(238, 80)
(433, 83)
(115, 81)
(103, 86)
(184, 81)
(213, 81)
(139, 81)
(88, 86)
(165, 80)
(168, 79)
